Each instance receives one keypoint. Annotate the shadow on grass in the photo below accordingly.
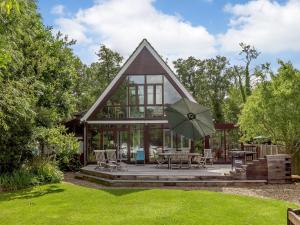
(29, 193)
(121, 192)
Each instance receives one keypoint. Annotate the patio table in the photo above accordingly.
(169, 156)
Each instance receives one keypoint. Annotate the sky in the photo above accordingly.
(180, 28)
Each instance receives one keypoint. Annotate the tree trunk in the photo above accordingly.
(247, 81)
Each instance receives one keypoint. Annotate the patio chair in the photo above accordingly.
(100, 158)
(112, 161)
(178, 159)
(201, 161)
(208, 155)
(140, 156)
(160, 160)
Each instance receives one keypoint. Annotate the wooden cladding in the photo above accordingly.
(145, 63)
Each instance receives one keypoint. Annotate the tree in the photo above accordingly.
(38, 76)
(208, 80)
(98, 75)
(250, 54)
(274, 110)
(187, 72)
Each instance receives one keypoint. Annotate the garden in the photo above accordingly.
(43, 84)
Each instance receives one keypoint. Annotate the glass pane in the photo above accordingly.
(119, 97)
(93, 143)
(171, 95)
(155, 140)
(150, 98)
(158, 95)
(140, 79)
(136, 112)
(122, 143)
(137, 140)
(141, 94)
(154, 79)
(132, 95)
(154, 111)
(108, 140)
(185, 144)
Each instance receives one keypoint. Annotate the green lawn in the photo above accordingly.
(69, 204)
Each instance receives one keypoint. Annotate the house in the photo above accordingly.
(129, 114)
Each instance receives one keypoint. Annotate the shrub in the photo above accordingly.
(18, 179)
(45, 171)
(68, 161)
(36, 172)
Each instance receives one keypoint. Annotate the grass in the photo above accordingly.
(70, 204)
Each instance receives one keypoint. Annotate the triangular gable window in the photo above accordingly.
(138, 97)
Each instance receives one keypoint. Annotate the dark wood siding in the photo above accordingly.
(145, 64)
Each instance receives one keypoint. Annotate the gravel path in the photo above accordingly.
(287, 192)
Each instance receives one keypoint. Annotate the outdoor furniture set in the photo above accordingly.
(107, 159)
(183, 159)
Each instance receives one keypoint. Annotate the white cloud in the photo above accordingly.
(122, 24)
(58, 10)
(269, 26)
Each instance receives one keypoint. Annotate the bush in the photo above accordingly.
(38, 171)
(69, 161)
(45, 171)
(19, 179)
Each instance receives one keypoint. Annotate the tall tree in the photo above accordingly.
(250, 54)
(38, 73)
(208, 80)
(274, 110)
(98, 75)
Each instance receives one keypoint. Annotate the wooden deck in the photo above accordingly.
(150, 176)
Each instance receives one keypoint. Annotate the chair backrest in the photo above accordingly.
(100, 155)
(207, 153)
(140, 154)
(111, 154)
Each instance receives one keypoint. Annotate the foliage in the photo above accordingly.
(45, 171)
(50, 203)
(232, 105)
(8, 5)
(56, 140)
(68, 161)
(99, 74)
(21, 178)
(250, 54)
(36, 172)
(38, 77)
(274, 110)
(208, 80)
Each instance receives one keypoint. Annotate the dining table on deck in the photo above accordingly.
(169, 156)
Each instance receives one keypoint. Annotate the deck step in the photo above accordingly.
(173, 182)
(151, 177)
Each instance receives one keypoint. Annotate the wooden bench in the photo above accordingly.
(293, 216)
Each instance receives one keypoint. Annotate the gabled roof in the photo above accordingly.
(130, 60)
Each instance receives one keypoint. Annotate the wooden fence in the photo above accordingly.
(265, 149)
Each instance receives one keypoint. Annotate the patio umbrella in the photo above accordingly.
(190, 119)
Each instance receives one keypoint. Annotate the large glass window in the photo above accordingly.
(154, 79)
(155, 141)
(138, 97)
(158, 95)
(154, 111)
(136, 140)
(137, 79)
(171, 95)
